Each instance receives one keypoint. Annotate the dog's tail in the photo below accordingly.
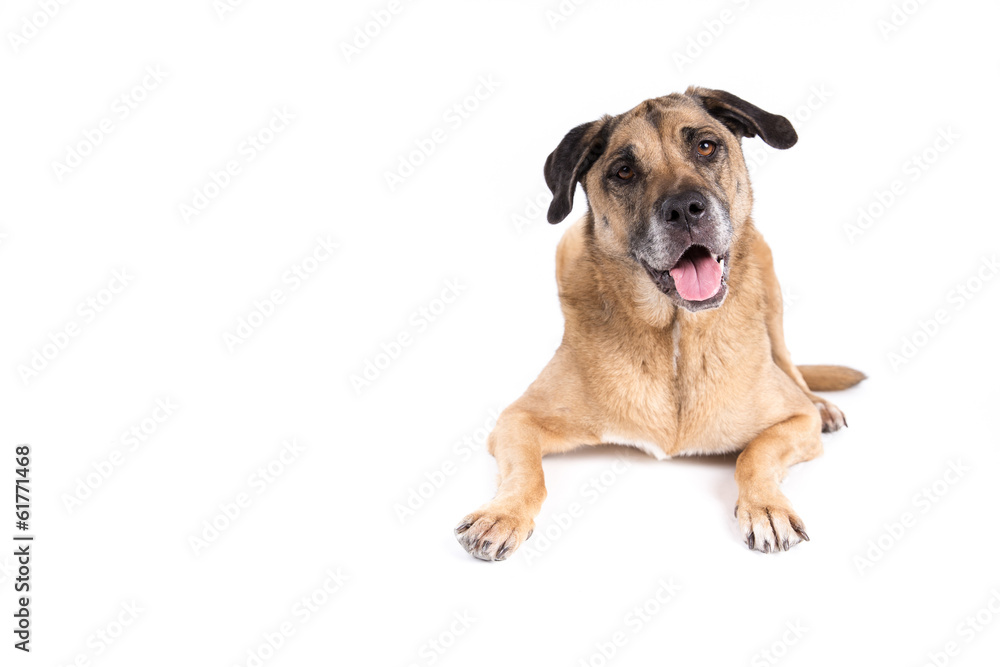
(830, 378)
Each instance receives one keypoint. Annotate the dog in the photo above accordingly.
(673, 340)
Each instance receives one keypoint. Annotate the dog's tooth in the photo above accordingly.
(722, 263)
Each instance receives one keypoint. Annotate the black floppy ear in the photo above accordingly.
(744, 119)
(569, 162)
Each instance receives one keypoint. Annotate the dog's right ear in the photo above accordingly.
(569, 162)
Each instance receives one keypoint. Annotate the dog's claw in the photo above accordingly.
(800, 529)
(750, 541)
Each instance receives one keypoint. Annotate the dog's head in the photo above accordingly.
(667, 186)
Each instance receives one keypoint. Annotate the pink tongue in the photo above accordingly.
(698, 279)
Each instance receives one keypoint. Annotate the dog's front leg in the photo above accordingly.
(498, 528)
(765, 514)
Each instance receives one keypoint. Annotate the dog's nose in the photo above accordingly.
(686, 208)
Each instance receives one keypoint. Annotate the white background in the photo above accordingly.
(877, 100)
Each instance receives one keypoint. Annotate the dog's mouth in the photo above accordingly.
(697, 279)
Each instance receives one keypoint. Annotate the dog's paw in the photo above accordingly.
(833, 417)
(492, 533)
(771, 525)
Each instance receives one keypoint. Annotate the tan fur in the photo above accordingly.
(634, 367)
(831, 378)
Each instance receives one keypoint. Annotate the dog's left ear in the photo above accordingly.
(744, 119)
(568, 164)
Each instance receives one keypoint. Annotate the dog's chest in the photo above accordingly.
(682, 391)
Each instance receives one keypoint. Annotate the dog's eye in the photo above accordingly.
(706, 148)
(626, 173)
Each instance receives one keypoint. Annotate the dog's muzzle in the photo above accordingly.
(685, 250)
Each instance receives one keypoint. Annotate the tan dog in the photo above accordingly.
(673, 339)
